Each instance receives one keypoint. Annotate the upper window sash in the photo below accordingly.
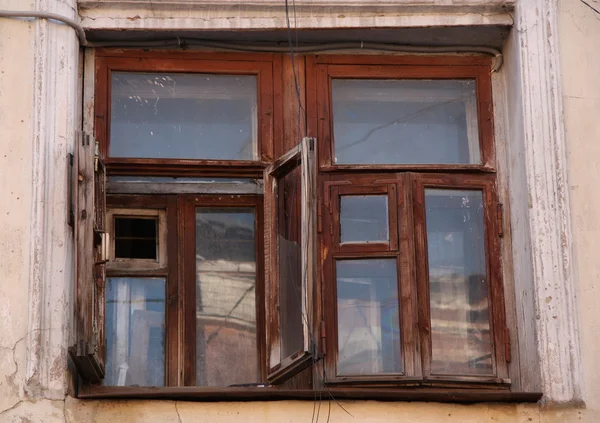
(206, 113)
(403, 109)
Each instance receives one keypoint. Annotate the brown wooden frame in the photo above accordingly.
(278, 131)
(325, 68)
(395, 186)
(108, 61)
(485, 184)
(335, 179)
(172, 283)
(302, 156)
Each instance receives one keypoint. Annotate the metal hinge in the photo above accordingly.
(507, 353)
(323, 338)
(96, 155)
(500, 220)
(71, 219)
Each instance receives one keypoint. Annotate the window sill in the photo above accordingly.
(271, 394)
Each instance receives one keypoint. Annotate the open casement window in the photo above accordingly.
(290, 200)
(88, 354)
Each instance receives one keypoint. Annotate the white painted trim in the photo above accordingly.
(51, 248)
(431, 6)
(541, 214)
(270, 14)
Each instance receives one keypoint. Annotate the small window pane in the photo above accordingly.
(183, 116)
(135, 238)
(364, 218)
(368, 317)
(226, 344)
(405, 122)
(135, 332)
(460, 326)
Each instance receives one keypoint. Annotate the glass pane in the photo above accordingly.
(460, 327)
(226, 345)
(183, 116)
(368, 317)
(135, 238)
(405, 121)
(290, 265)
(135, 332)
(364, 218)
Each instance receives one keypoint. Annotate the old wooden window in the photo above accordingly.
(245, 249)
(411, 258)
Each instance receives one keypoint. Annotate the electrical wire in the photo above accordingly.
(51, 16)
(254, 47)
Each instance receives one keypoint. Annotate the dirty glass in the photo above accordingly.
(364, 218)
(183, 116)
(226, 343)
(405, 122)
(135, 331)
(460, 327)
(368, 317)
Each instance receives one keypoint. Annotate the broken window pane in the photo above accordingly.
(135, 331)
(183, 116)
(405, 121)
(368, 317)
(226, 344)
(364, 218)
(460, 326)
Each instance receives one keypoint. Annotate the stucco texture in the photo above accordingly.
(579, 28)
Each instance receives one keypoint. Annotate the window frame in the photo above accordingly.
(321, 69)
(259, 65)
(312, 79)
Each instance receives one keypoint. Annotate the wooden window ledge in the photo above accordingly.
(466, 396)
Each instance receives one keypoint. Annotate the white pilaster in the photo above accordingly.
(544, 208)
(51, 248)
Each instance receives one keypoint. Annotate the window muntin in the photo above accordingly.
(183, 116)
(405, 121)
(458, 286)
(135, 331)
(226, 335)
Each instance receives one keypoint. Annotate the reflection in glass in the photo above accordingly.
(364, 218)
(226, 347)
(135, 331)
(183, 116)
(290, 264)
(405, 121)
(460, 327)
(368, 317)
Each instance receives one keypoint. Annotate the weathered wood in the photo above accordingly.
(88, 354)
(464, 395)
(185, 187)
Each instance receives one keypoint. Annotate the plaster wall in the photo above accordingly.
(579, 27)
(38, 105)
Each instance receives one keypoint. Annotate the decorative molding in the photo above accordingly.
(229, 15)
(544, 155)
